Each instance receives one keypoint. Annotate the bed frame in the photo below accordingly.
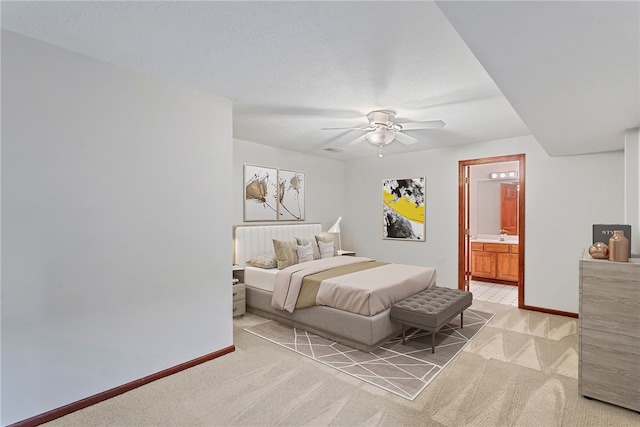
(362, 332)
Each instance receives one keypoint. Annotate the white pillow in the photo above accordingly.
(305, 253)
(326, 249)
(314, 245)
(326, 238)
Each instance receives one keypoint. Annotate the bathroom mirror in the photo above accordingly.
(490, 200)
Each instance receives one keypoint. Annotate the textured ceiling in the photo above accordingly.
(570, 69)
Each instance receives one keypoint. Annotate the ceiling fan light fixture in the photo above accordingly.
(381, 136)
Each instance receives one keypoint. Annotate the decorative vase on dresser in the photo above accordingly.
(618, 247)
(609, 358)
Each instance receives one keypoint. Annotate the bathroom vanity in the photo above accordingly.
(495, 259)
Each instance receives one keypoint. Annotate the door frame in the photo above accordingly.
(464, 236)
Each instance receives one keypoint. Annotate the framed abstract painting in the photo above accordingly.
(403, 209)
(291, 195)
(260, 193)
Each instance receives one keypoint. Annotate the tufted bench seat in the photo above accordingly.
(430, 310)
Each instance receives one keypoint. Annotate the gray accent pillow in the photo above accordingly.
(263, 261)
(286, 252)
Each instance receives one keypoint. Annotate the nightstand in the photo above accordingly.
(239, 292)
(347, 253)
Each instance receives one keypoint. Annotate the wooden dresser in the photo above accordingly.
(609, 366)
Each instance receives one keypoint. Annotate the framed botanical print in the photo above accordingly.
(291, 195)
(403, 209)
(260, 193)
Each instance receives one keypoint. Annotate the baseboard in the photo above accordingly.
(108, 394)
(550, 311)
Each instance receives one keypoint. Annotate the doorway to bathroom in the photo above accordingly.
(491, 232)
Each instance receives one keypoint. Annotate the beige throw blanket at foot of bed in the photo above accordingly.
(369, 292)
(289, 280)
(365, 292)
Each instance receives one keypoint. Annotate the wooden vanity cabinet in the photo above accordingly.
(508, 265)
(483, 263)
(494, 261)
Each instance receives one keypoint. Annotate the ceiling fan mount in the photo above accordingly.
(383, 119)
(383, 129)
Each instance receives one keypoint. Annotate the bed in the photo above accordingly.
(366, 329)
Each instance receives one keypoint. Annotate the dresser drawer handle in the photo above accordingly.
(235, 308)
(235, 293)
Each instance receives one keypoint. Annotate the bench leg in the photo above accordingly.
(403, 328)
(461, 325)
(433, 342)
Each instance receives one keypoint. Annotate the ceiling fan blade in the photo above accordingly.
(365, 128)
(271, 111)
(358, 140)
(405, 139)
(431, 124)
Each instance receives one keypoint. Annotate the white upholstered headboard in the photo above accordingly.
(253, 240)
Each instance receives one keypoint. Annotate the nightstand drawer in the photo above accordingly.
(239, 292)
(239, 308)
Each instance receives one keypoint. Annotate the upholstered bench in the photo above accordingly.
(430, 310)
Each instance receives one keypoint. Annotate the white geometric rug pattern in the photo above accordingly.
(404, 370)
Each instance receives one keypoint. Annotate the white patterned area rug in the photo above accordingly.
(404, 370)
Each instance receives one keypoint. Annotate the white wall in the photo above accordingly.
(632, 187)
(325, 182)
(564, 197)
(115, 231)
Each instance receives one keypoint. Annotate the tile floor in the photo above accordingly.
(493, 292)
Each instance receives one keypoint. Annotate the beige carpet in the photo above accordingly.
(520, 370)
(402, 369)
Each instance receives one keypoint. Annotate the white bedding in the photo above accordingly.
(260, 278)
(366, 292)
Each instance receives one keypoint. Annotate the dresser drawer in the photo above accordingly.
(609, 368)
(239, 292)
(610, 303)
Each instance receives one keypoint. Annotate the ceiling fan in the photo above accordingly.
(383, 129)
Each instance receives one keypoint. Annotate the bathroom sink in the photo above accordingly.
(513, 240)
